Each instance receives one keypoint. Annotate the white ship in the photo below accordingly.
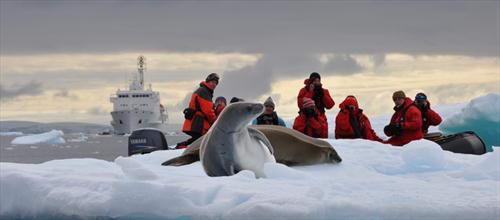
(137, 107)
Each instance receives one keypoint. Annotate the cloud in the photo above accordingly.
(378, 60)
(97, 110)
(64, 93)
(342, 65)
(279, 26)
(32, 88)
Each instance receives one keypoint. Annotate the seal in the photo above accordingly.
(294, 148)
(290, 147)
(230, 145)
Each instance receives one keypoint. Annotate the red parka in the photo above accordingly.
(409, 118)
(313, 126)
(429, 117)
(325, 102)
(353, 124)
(201, 102)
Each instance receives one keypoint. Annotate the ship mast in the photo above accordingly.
(141, 67)
(138, 79)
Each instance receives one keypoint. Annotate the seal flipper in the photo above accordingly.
(260, 136)
(182, 160)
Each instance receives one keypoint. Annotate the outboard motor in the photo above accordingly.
(146, 140)
(465, 142)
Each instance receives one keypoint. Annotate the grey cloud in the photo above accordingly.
(96, 110)
(251, 82)
(249, 26)
(342, 65)
(32, 88)
(378, 60)
(64, 93)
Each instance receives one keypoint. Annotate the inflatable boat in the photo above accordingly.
(466, 142)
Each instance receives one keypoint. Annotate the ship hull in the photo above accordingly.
(126, 121)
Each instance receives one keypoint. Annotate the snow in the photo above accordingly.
(374, 181)
(51, 137)
(481, 115)
(11, 133)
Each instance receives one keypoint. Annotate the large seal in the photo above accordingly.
(290, 147)
(231, 146)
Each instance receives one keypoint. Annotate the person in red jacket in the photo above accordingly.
(309, 121)
(351, 123)
(314, 90)
(406, 122)
(429, 117)
(220, 104)
(200, 114)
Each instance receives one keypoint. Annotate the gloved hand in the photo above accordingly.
(393, 129)
(398, 128)
(318, 91)
(309, 112)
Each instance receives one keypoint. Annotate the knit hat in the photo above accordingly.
(308, 103)
(220, 99)
(398, 94)
(421, 96)
(236, 99)
(213, 77)
(314, 75)
(269, 102)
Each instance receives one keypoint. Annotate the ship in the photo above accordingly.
(137, 107)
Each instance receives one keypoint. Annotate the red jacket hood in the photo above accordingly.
(349, 101)
(207, 85)
(307, 82)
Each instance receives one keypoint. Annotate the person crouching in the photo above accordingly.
(406, 122)
(351, 123)
(309, 121)
(269, 117)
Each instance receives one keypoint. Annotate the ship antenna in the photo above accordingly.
(141, 67)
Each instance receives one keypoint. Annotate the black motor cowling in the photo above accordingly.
(466, 142)
(146, 140)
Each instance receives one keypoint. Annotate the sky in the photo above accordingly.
(61, 60)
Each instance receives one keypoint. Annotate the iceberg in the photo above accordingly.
(51, 137)
(11, 133)
(481, 115)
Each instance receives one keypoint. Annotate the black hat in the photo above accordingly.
(314, 75)
(421, 96)
(236, 99)
(213, 77)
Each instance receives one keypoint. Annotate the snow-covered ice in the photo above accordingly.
(374, 181)
(51, 137)
(11, 133)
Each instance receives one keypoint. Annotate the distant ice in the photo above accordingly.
(481, 115)
(13, 133)
(81, 138)
(51, 137)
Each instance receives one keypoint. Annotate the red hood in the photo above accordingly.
(307, 82)
(349, 101)
(207, 85)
